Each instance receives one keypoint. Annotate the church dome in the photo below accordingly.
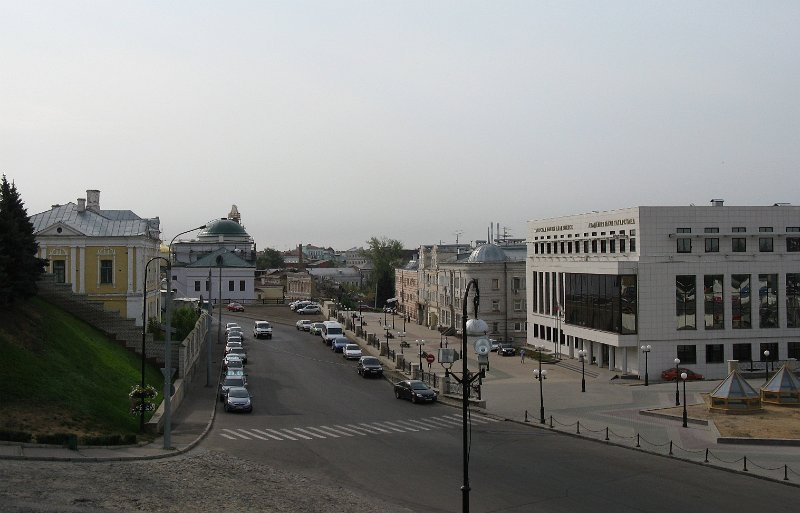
(225, 228)
(487, 253)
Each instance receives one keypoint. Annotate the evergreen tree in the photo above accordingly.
(20, 268)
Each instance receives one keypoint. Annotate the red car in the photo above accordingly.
(235, 307)
(671, 374)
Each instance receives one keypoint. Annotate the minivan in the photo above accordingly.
(330, 331)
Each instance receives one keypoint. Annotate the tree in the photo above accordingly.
(183, 320)
(270, 259)
(20, 268)
(385, 254)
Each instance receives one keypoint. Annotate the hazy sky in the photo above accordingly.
(330, 122)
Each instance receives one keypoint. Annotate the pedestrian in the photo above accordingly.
(522, 355)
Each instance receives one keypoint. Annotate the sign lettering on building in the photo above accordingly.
(557, 228)
(613, 222)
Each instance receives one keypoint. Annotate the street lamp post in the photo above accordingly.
(402, 337)
(677, 372)
(475, 326)
(646, 351)
(540, 374)
(582, 355)
(387, 328)
(144, 337)
(420, 343)
(766, 365)
(168, 349)
(685, 417)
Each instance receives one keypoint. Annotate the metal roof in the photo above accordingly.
(102, 223)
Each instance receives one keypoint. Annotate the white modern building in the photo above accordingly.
(612, 282)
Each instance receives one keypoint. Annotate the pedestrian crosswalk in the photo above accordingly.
(384, 427)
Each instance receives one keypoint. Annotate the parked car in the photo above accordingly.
(234, 338)
(232, 325)
(232, 362)
(235, 307)
(238, 399)
(228, 382)
(309, 310)
(337, 345)
(506, 349)
(298, 304)
(262, 329)
(414, 390)
(316, 328)
(495, 344)
(369, 366)
(236, 372)
(241, 352)
(303, 324)
(352, 352)
(231, 344)
(671, 374)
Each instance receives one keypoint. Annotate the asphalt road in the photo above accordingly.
(314, 415)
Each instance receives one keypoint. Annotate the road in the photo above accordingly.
(315, 416)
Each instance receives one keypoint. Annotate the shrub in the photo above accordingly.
(15, 436)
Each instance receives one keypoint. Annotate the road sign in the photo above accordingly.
(430, 358)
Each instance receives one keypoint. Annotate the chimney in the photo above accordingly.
(300, 255)
(81, 204)
(717, 202)
(93, 200)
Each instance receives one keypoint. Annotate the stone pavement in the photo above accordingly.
(610, 411)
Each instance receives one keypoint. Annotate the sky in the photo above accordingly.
(330, 122)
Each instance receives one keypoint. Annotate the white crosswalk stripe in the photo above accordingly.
(384, 427)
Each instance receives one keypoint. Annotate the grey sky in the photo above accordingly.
(330, 122)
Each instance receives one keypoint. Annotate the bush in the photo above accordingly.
(15, 436)
(54, 438)
(117, 439)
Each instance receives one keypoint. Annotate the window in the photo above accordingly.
(793, 349)
(765, 243)
(495, 305)
(793, 300)
(710, 230)
(740, 301)
(684, 243)
(622, 245)
(767, 300)
(632, 245)
(603, 246)
(517, 284)
(106, 272)
(594, 246)
(208, 285)
(685, 301)
(742, 352)
(230, 286)
(738, 244)
(772, 347)
(495, 284)
(197, 285)
(792, 244)
(612, 246)
(60, 271)
(712, 300)
(687, 354)
(519, 326)
(712, 245)
(715, 353)
(517, 305)
(241, 285)
(495, 327)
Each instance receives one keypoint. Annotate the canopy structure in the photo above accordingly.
(783, 388)
(735, 395)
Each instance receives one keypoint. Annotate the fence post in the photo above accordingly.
(706, 460)
(551, 422)
(745, 464)
(637, 440)
(785, 472)
(670, 447)
(526, 415)
(606, 434)
(579, 428)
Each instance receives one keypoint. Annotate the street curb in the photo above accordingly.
(678, 418)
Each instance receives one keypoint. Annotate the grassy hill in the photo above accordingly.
(61, 375)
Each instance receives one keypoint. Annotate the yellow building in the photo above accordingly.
(102, 253)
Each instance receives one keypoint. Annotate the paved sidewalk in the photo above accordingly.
(511, 393)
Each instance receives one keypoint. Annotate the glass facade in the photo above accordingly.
(715, 353)
(685, 302)
(767, 300)
(740, 301)
(712, 299)
(606, 302)
(793, 300)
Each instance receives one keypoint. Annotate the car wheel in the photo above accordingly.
(225, 407)
(397, 394)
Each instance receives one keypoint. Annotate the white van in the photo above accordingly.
(330, 331)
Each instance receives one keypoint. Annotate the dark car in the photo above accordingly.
(238, 399)
(228, 382)
(671, 374)
(338, 344)
(369, 366)
(506, 350)
(414, 390)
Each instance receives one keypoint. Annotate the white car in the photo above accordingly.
(303, 324)
(309, 309)
(262, 329)
(352, 352)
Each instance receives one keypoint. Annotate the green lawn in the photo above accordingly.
(62, 375)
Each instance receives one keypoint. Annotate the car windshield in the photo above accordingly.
(239, 392)
(262, 325)
(334, 331)
(235, 372)
(370, 361)
(419, 386)
(237, 350)
(234, 363)
(341, 341)
(234, 382)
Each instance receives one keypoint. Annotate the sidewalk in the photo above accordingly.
(611, 407)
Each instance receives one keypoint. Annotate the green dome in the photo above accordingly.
(226, 228)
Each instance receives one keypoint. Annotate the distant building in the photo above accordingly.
(705, 284)
(102, 253)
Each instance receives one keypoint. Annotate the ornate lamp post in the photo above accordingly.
(144, 335)
(420, 343)
(540, 375)
(582, 355)
(766, 365)
(402, 337)
(685, 416)
(646, 351)
(473, 327)
(677, 375)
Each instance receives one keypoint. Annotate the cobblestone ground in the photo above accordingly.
(201, 482)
